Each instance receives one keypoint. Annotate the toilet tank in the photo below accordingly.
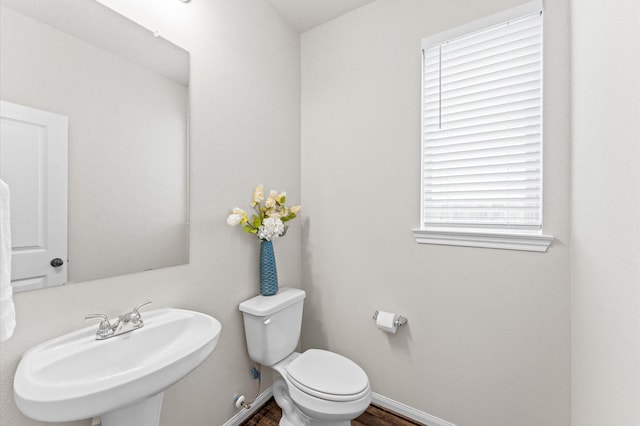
(272, 325)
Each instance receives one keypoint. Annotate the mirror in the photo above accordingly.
(125, 92)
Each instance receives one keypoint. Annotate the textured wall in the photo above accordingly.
(245, 118)
(487, 343)
(605, 220)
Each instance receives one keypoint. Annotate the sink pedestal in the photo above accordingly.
(144, 413)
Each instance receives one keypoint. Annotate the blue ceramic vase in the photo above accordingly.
(268, 273)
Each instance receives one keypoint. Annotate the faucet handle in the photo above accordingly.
(105, 319)
(136, 319)
(104, 329)
(137, 308)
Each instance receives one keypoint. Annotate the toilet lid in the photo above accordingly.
(328, 375)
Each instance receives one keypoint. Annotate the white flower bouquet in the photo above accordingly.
(270, 217)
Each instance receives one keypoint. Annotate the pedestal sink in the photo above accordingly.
(121, 379)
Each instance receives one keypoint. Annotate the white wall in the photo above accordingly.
(245, 129)
(605, 220)
(487, 342)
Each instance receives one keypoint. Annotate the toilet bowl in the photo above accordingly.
(326, 388)
(316, 387)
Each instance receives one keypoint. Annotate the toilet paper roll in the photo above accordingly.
(385, 321)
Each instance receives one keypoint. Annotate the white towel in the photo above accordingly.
(7, 310)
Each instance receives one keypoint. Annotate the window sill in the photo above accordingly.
(504, 241)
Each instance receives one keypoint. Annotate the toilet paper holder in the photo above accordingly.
(397, 319)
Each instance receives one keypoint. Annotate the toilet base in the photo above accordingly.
(292, 415)
(321, 423)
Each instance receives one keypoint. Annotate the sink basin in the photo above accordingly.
(75, 377)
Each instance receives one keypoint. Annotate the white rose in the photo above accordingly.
(271, 228)
(234, 219)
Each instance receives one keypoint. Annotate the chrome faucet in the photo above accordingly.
(123, 324)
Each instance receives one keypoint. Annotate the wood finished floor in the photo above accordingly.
(270, 413)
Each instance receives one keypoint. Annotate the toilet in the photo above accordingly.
(316, 387)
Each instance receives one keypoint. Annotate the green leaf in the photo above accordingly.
(249, 229)
(256, 222)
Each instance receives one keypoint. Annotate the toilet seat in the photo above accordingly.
(328, 376)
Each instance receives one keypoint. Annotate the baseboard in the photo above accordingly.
(244, 414)
(409, 412)
(379, 400)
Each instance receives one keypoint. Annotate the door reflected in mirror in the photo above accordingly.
(125, 94)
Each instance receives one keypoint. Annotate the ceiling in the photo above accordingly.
(306, 14)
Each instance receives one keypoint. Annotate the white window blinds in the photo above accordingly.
(482, 128)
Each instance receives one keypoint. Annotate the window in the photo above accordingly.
(482, 133)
